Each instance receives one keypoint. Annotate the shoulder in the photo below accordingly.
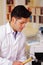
(2, 28)
(2, 31)
(22, 41)
(23, 38)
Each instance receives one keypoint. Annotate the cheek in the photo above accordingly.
(20, 27)
(17, 26)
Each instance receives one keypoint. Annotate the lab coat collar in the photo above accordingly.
(9, 29)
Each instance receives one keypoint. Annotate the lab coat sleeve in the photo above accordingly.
(21, 51)
(22, 54)
(4, 61)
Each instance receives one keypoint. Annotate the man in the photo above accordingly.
(12, 41)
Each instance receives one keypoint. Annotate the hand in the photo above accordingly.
(17, 63)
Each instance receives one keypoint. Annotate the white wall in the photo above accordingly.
(2, 11)
(19, 2)
(41, 2)
(38, 3)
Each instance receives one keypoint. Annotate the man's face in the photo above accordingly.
(20, 23)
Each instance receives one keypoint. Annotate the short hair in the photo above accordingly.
(20, 11)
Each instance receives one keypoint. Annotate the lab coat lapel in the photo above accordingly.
(14, 44)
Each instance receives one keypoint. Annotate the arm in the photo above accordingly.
(21, 50)
(21, 55)
(5, 61)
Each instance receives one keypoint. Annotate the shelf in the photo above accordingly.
(37, 14)
(9, 7)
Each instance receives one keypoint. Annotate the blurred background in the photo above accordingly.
(35, 6)
(34, 29)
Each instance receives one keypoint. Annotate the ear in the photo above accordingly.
(13, 19)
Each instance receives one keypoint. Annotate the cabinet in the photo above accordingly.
(37, 15)
(9, 7)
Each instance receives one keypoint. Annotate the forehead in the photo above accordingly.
(23, 19)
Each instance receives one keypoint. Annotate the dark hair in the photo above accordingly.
(42, 32)
(20, 11)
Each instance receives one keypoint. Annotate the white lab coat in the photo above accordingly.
(9, 50)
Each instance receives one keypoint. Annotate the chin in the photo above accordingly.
(20, 30)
